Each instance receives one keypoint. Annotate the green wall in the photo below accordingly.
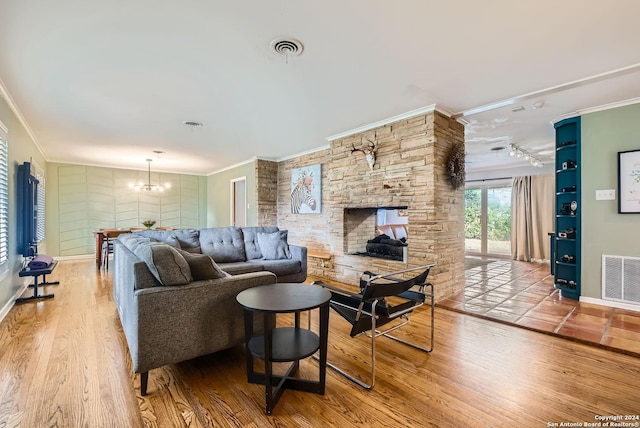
(604, 134)
(21, 149)
(82, 199)
(219, 195)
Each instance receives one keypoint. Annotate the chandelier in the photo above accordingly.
(519, 152)
(148, 187)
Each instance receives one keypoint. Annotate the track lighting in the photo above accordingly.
(519, 153)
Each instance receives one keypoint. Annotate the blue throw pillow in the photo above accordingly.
(274, 246)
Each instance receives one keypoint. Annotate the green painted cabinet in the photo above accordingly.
(568, 207)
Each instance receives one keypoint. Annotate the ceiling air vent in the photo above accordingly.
(287, 47)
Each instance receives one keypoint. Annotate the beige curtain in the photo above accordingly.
(532, 209)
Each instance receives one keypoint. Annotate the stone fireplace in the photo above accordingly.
(409, 172)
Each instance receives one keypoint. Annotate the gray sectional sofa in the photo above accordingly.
(175, 290)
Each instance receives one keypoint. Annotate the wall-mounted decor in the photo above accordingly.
(455, 166)
(306, 189)
(369, 153)
(629, 182)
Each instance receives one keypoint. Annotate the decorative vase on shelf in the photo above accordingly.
(149, 223)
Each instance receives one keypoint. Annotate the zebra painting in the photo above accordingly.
(305, 190)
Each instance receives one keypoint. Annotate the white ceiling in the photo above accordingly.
(107, 83)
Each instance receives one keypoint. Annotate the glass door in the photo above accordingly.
(488, 219)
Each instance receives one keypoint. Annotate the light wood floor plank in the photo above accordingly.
(64, 362)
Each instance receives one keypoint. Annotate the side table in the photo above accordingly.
(284, 344)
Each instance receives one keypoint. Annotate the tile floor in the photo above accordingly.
(522, 294)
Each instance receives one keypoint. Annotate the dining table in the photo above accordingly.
(103, 234)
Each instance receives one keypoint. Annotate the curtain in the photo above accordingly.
(532, 208)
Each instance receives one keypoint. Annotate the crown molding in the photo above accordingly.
(610, 106)
(236, 165)
(306, 152)
(124, 168)
(551, 90)
(419, 111)
(4, 92)
(595, 109)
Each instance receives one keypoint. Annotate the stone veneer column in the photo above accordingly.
(409, 171)
(266, 192)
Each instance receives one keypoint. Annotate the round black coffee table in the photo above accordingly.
(284, 344)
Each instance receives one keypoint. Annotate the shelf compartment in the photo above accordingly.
(559, 263)
(564, 171)
(287, 344)
(565, 147)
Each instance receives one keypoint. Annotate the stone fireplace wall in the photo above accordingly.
(359, 227)
(409, 171)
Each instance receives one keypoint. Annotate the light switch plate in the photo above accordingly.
(605, 195)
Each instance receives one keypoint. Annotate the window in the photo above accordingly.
(4, 198)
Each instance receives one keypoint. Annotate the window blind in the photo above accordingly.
(41, 204)
(4, 200)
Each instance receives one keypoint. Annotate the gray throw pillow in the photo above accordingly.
(166, 264)
(166, 236)
(273, 246)
(202, 266)
(189, 240)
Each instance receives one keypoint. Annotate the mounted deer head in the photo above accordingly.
(369, 153)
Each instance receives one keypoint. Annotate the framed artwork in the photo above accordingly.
(629, 182)
(306, 190)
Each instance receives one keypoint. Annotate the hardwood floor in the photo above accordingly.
(64, 363)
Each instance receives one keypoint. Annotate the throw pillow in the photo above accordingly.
(166, 236)
(273, 246)
(189, 240)
(202, 266)
(165, 263)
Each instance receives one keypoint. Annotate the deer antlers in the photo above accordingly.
(369, 153)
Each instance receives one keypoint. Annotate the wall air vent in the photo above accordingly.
(621, 279)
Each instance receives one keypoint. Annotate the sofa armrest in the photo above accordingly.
(299, 253)
(177, 323)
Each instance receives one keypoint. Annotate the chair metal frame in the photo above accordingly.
(369, 310)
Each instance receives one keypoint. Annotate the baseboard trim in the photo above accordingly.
(619, 305)
(11, 303)
(79, 257)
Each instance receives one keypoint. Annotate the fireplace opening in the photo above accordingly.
(380, 232)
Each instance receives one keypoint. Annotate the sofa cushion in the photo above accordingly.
(279, 267)
(238, 268)
(189, 239)
(273, 246)
(166, 236)
(224, 244)
(202, 266)
(165, 262)
(251, 248)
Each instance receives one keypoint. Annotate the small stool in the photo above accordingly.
(35, 273)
